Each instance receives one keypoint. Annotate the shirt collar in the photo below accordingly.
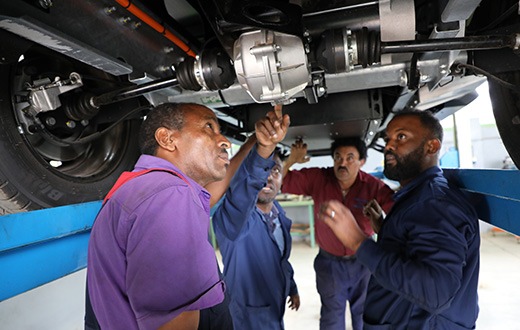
(274, 212)
(423, 176)
(149, 161)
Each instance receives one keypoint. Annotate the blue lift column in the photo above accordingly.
(41, 246)
(495, 194)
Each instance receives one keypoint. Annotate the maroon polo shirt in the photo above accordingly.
(321, 184)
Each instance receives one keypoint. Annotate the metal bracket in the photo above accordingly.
(44, 94)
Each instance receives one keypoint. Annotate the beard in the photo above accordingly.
(406, 167)
(265, 199)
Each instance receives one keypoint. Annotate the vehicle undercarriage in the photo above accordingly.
(79, 77)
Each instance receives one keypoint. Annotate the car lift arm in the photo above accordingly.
(41, 246)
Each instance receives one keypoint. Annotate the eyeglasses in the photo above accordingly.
(339, 158)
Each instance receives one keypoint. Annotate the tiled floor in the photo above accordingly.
(499, 288)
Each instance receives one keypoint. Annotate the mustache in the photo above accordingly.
(224, 151)
(389, 152)
(269, 185)
(342, 168)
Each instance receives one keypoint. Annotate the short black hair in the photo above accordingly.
(280, 153)
(428, 120)
(169, 115)
(350, 142)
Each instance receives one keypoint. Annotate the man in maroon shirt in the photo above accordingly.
(339, 277)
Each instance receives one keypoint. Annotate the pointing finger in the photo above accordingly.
(278, 111)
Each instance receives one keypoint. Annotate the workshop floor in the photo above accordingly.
(499, 291)
(59, 305)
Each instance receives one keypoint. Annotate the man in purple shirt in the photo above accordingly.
(150, 264)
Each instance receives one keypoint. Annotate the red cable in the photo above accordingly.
(128, 5)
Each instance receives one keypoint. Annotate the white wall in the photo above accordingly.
(479, 142)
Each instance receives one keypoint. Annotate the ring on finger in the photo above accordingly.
(332, 214)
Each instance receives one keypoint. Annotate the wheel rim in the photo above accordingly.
(54, 145)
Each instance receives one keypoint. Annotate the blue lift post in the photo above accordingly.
(495, 194)
(41, 246)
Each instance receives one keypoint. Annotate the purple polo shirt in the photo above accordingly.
(149, 257)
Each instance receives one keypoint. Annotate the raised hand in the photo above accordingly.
(298, 155)
(299, 152)
(271, 130)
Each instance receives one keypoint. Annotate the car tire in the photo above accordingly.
(29, 179)
(506, 109)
